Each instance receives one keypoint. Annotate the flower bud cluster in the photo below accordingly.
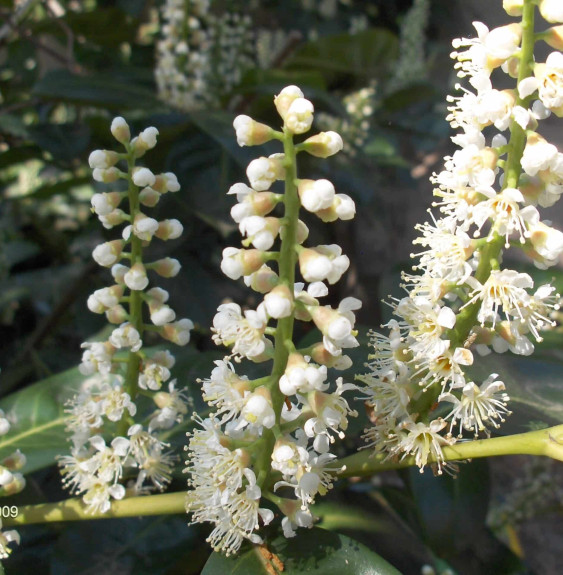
(274, 434)
(201, 56)
(464, 301)
(119, 367)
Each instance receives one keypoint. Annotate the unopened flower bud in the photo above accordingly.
(146, 140)
(323, 145)
(554, 37)
(136, 278)
(178, 332)
(106, 176)
(167, 182)
(299, 117)
(144, 227)
(261, 232)
(343, 208)
(262, 280)
(114, 218)
(323, 262)
(552, 11)
(513, 7)
(279, 302)
(15, 486)
(120, 130)
(162, 314)
(321, 355)
(126, 336)
(118, 272)
(316, 194)
(166, 267)
(108, 253)
(285, 98)
(250, 132)
(169, 230)
(143, 177)
(237, 262)
(104, 203)
(263, 172)
(15, 461)
(302, 232)
(149, 197)
(117, 315)
(258, 409)
(103, 159)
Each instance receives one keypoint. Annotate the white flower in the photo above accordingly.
(97, 358)
(143, 177)
(300, 376)
(547, 242)
(323, 262)
(107, 254)
(478, 405)
(136, 278)
(225, 390)
(258, 411)
(549, 82)
(7, 537)
(279, 302)
(120, 130)
(316, 194)
(262, 232)
(178, 332)
(552, 11)
(506, 288)
(144, 227)
(126, 336)
(263, 172)
(245, 333)
(538, 155)
(285, 98)
(153, 375)
(299, 116)
(147, 139)
(97, 497)
(324, 144)
(421, 441)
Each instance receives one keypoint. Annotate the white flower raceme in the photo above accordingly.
(297, 396)
(106, 401)
(464, 300)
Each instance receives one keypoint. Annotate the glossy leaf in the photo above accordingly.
(39, 427)
(368, 53)
(315, 551)
(534, 387)
(94, 90)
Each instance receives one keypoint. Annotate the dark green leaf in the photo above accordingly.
(443, 500)
(534, 387)
(314, 551)
(38, 411)
(94, 90)
(63, 141)
(19, 155)
(369, 53)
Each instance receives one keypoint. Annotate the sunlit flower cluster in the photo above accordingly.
(119, 368)
(271, 437)
(201, 56)
(463, 300)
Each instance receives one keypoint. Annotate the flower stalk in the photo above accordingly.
(544, 442)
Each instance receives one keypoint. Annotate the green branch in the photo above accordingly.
(547, 442)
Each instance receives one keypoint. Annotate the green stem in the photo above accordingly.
(490, 251)
(284, 329)
(546, 442)
(135, 297)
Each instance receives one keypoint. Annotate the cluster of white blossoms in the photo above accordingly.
(463, 301)
(360, 107)
(271, 437)
(119, 367)
(11, 482)
(201, 56)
